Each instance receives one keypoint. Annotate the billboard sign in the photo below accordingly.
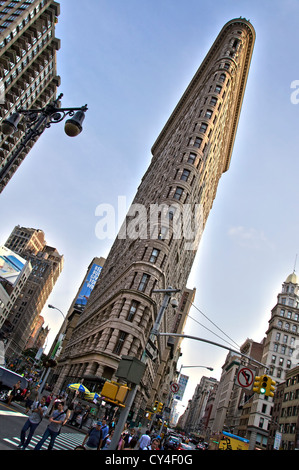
(182, 383)
(89, 283)
(11, 265)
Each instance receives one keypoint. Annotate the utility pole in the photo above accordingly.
(132, 393)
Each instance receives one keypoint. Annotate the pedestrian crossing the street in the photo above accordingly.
(64, 441)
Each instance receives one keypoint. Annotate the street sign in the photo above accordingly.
(174, 387)
(245, 377)
(151, 350)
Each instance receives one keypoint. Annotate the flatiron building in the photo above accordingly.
(158, 241)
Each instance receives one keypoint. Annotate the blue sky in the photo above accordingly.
(131, 62)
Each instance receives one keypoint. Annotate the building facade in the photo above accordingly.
(289, 418)
(28, 71)
(38, 335)
(76, 308)
(199, 412)
(14, 272)
(280, 343)
(158, 241)
(47, 265)
(253, 416)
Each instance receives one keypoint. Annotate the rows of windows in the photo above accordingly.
(281, 361)
(179, 192)
(289, 301)
(28, 59)
(15, 15)
(287, 326)
(292, 380)
(289, 314)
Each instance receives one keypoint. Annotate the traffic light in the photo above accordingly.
(264, 384)
(114, 392)
(270, 389)
(159, 407)
(155, 406)
(257, 384)
(122, 393)
(109, 390)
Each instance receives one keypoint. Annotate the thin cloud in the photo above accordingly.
(249, 237)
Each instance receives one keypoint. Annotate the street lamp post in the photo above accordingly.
(53, 355)
(183, 367)
(178, 380)
(52, 306)
(58, 338)
(37, 120)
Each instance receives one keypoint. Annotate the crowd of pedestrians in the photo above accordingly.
(97, 440)
(61, 412)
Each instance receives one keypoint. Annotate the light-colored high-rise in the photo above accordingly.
(158, 242)
(280, 345)
(248, 414)
(47, 265)
(28, 72)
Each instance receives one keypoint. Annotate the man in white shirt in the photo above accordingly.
(145, 440)
(38, 412)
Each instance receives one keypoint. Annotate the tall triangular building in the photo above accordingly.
(158, 241)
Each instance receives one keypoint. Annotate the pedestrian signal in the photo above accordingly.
(122, 393)
(114, 392)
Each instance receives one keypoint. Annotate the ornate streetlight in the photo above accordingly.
(36, 121)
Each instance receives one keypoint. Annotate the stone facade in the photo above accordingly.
(158, 241)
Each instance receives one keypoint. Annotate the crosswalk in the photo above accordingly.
(64, 441)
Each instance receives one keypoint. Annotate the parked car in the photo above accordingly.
(8, 379)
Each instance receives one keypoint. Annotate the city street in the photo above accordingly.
(12, 419)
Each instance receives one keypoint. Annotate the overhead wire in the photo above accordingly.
(214, 324)
(189, 316)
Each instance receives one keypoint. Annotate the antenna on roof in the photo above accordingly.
(295, 264)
